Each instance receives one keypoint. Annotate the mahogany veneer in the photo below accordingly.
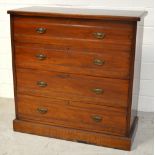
(76, 74)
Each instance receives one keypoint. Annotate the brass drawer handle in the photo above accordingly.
(41, 84)
(42, 110)
(40, 30)
(98, 90)
(97, 118)
(99, 35)
(98, 62)
(41, 56)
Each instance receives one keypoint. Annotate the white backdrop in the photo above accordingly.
(146, 86)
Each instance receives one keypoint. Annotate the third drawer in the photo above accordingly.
(103, 91)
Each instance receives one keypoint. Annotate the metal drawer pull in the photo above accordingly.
(98, 62)
(98, 90)
(40, 30)
(99, 35)
(41, 84)
(42, 110)
(41, 56)
(97, 118)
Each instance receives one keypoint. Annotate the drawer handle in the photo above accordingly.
(42, 110)
(99, 35)
(97, 118)
(98, 62)
(40, 30)
(98, 90)
(41, 84)
(41, 56)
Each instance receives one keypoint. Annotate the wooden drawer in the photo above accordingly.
(72, 32)
(57, 112)
(103, 91)
(79, 62)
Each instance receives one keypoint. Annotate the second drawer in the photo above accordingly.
(105, 63)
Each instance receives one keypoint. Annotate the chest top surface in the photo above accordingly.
(84, 13)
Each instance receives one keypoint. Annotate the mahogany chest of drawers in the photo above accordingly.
(76, 73)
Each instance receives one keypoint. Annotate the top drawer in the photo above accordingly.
(71, 31)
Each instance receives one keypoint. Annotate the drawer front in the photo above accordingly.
(50, 112)
(68, 31)
(110, 92)
(101, 63)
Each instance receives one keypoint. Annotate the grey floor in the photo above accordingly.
(13, 143)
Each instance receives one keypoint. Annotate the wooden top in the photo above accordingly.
(80, 13)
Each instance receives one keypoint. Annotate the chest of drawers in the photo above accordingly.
(76, 73)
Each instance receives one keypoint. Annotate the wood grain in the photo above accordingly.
(75, 135)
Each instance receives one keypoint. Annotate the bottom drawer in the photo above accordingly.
(61, 113)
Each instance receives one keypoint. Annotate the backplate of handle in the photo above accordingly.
(42, 110)
(98, 90)
(98, 62)
(96, 118)
(41, 56)
(41, 84)
(40, 30)
(99, 35)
